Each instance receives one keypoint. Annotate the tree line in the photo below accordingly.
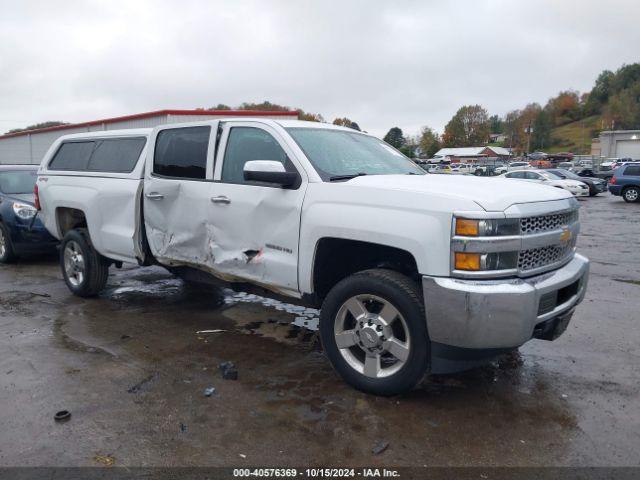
(614, 100)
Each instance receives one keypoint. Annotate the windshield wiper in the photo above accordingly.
(346, 177)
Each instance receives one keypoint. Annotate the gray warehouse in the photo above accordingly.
(620, 144)
(30, 146)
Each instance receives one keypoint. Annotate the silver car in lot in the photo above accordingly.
(577, 188)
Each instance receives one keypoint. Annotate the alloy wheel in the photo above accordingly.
(74, 265)
(372, 336)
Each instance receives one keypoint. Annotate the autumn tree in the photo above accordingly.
(345, 122)
(395, 138)
(565, 107)
(38, 125)
(428, 142)
(469, 127)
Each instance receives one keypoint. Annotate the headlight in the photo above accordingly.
(478, 262)
(486, 228)
(24, 211)
(485, 245)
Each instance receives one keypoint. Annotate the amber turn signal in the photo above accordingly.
(469, 228)
(467, 261)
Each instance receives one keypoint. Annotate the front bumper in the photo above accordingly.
(500, 314)
(579, 191)
(27, 238)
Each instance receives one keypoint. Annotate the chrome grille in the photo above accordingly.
(543, 256)
(544, 223)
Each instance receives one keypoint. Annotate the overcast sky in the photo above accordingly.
(381, 63)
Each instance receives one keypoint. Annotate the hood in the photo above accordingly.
(22, 197)
(568, 182)
(492, 194)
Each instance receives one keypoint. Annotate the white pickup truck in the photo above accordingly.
(414, 273)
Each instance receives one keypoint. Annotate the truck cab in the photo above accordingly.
(413, 273)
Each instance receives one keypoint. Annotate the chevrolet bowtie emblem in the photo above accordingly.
(566, 235)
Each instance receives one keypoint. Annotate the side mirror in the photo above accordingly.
(269, 171)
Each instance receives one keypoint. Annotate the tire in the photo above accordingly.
(7, 253)
(478, 173)
(367, 293)
(85, 271)
(631, 194)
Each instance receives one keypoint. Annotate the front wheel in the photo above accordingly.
(85, 271)
(631, 194)
(373, 329)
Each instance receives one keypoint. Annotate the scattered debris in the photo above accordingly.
(125, 337)
(209, 391)
(183, 427)
(62, 416)
(242, 455)
(217, 330)
(141, 384)
(564, 395)
(106, 460)
(380, 447)
(228, 370)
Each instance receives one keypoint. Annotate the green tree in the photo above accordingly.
(469, 127)
(395, 138)
(220, 106)
(429, 142)
(497, 125)
(542, 126)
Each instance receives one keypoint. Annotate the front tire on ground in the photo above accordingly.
(85, 271)
(7, 255)
(373, 329)
(631, 194)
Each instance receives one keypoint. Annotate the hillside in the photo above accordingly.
(575, 136)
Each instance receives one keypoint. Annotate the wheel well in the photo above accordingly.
(337, 258)
(69, 218)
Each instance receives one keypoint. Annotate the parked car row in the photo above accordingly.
(21, 233)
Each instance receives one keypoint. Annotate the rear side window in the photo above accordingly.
(72, 156)
(632, 170)
(114, 155)
(182, 152)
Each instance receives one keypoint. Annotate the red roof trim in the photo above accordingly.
(157, 113)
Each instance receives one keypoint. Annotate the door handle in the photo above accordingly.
(221, 199)
(154, 196)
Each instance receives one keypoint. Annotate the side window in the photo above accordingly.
(532, 176)
(182, 152)
(245, 144)
(72, 156)
(116, 155)
(632, 170)
(516, 175)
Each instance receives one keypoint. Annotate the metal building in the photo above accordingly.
(620, 144)
(30, 146)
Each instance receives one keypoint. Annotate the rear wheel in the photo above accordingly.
(85, 271)
(7, 254)
(631, 194)
(374, 331)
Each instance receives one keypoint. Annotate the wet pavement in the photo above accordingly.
(132, 367)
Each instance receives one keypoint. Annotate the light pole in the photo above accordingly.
(528, 130)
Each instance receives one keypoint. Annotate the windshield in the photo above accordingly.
(18, 181)
(337, 153)
(566, 173)
(550, 176)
